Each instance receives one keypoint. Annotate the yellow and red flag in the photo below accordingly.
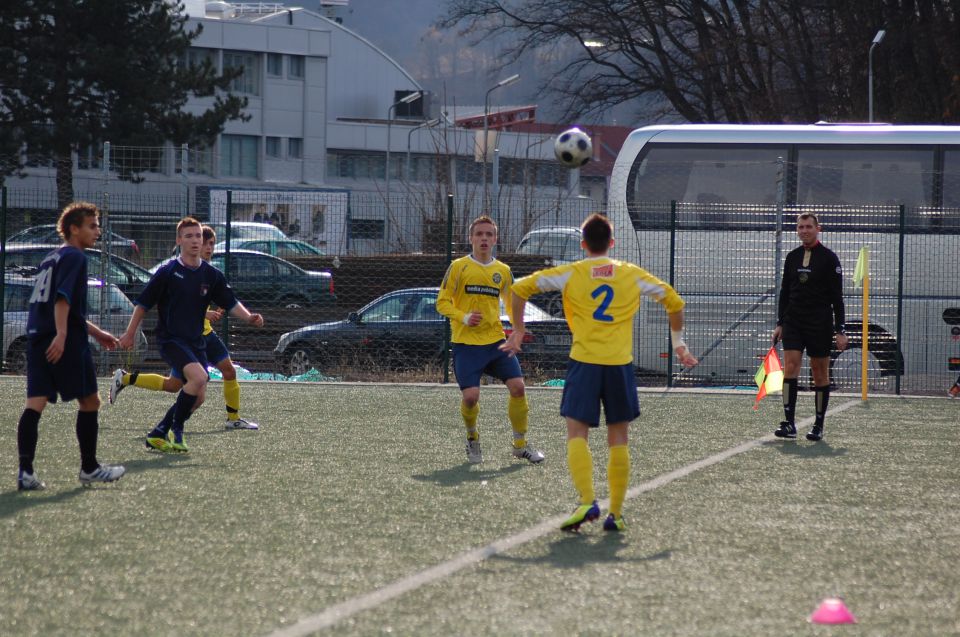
(769, 377)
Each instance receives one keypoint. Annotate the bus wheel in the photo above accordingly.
(845, 372)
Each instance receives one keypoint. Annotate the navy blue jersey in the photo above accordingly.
(182, 295)
(812, 289)
(63, 273)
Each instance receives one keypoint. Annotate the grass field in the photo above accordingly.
(353, 512)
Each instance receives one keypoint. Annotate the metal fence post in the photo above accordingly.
(3, 266)
(449, 258)
(226, 260)
(673, 260)
(896, 380)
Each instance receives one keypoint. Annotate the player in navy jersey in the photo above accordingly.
(811, 313)
(59, 360)
(182, 289)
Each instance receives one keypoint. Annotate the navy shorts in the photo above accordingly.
(73, 376)
(178, 355)
(216, 351)
(817, 340)
(588, 386)
(470, 362)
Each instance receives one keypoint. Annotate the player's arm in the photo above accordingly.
(680, 348)
(61, 310)
(666, 296)
(782, 304)
(127, 339)
(446, 305)
(242, 313)
(836, 300)
(102, 336)
(520, 291)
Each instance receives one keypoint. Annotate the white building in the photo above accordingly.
(322, 102)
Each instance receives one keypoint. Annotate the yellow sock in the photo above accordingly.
(231, 398)
(470, 415)
(618, 477)
(580, 463)
(153, 382)
(517, 410)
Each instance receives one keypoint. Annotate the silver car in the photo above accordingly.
(107, 307)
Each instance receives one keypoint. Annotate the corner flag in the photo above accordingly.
(769, 377)
(863, 267)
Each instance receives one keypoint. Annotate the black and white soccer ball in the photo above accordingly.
(573, 148)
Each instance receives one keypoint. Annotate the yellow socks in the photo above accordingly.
(580, 463)
(618, 477)
(231, 398)
(470, 415)
(517, 410)
(152, 382)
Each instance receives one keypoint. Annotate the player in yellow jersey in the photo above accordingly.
(470, 297)
(600, 298)
(217, 354)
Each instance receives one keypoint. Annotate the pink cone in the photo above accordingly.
(832, 611)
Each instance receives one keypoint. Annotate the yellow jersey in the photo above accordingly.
(471, 286)
(207, 328)
(600, 298)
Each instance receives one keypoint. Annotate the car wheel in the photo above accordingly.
(16, 359)
(845, 372)
(299, 360)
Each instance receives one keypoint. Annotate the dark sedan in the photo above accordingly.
(402, 330)
(261, 280)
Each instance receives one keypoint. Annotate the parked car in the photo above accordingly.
(561, 245)
(47, 234)
(241, 230)
(261, 280)
(126, 275)
(403, 330)
(112, 314)
(283, 248)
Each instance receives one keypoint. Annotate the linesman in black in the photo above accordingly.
(810, 316)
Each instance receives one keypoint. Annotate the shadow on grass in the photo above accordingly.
(466, 472)
(574, 550)
(13, 502)
(820, 449)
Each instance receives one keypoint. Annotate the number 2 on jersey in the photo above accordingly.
(600, 313)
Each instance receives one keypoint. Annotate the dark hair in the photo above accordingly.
(482, 219)
(187, 222)
(597, 232)
(73, 215)
(808, 215)
(209, 233)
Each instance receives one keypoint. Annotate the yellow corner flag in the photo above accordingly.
(863, 267)
(769, 377)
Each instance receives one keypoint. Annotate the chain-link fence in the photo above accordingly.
(347, 280)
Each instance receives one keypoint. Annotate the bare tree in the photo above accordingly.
(732, 60)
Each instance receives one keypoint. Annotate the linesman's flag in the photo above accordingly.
(769, 377)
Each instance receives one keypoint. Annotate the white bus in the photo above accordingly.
(737, 190)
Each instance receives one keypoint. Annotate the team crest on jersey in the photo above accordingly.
(204, 289)
(497, 278)
(602, 271)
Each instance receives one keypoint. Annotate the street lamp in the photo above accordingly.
(429, 124)
(877, 39)
(486, 116)
(412, 97)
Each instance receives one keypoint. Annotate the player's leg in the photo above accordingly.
(87, 437)
(154, 382)
(820, 366)
(580, 405)
(41, 388)
(621, 406)
(792, 360)
(507, 369)
(468, 367)
(954, 391)
(179, 356)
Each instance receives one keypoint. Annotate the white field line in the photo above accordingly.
(350, 607)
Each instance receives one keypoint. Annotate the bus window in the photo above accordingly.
(865, 176)
(951, 179)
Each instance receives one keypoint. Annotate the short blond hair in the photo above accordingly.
(73, 215)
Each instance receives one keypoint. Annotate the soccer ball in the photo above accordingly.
(573, 148)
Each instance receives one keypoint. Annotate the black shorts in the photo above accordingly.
(73, 376)
(817, 340)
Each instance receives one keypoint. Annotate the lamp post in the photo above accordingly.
(412, 97)
(486, 116)
(429, 124)
(877, 39)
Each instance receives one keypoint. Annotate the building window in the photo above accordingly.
(197, 56)
(273, 147)
(295, 148)
(238, 156)
(249, 80)
(295, 67)
(366, 228)
(274, 65)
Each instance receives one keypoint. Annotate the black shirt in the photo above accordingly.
(811, 293)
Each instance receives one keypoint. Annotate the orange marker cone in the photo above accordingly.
(832, 611)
